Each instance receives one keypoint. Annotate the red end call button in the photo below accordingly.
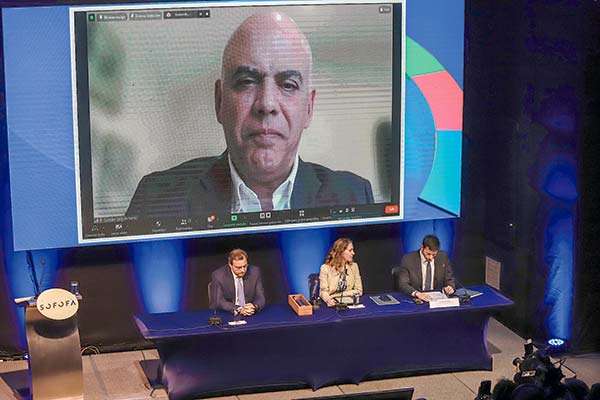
(391, 209)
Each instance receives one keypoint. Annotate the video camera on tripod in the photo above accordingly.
(536, 367)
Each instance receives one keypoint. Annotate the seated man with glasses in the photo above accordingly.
(237, 287)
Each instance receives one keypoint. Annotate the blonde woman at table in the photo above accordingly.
(339, 277)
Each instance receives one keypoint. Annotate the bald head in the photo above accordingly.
(264, 99)
(276, 34)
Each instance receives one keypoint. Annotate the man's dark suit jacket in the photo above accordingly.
(203, 185)
(410, 276)
(223, 288)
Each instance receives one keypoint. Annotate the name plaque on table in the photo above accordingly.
(442, 303)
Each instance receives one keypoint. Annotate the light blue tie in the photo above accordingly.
(240, 291)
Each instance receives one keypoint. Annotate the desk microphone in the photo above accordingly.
(314, 298)
(32, 272)
(214, 320)
(341, 306)
(313, 293)
(464, 296)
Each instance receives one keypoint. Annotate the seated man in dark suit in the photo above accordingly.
(424, 270)
(264, 101)
(237, 287)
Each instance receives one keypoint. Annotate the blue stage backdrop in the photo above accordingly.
(303, 252)
(553, 175)
(159, 272)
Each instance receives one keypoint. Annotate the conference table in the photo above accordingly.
(276, 347)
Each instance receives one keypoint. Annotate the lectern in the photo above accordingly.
(55, 366)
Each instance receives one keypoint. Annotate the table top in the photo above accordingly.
(173, 325)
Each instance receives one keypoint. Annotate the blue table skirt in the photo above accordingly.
(277, 347)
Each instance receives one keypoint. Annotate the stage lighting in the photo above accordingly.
(556, 345)
(555, 342)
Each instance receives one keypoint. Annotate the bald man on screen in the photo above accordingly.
(264, 101)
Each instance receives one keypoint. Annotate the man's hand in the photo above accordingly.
(331, 302)
(422, 296)
(449, 290)
(248, 310)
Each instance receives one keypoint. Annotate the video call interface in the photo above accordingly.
(182, 109)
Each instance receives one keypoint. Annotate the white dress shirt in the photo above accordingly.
(243, 199)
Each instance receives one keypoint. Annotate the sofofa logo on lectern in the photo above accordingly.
(57, 304)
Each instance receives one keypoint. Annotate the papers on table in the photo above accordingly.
(436, 295)
(355, 306)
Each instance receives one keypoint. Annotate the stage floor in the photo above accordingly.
(116, 376)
